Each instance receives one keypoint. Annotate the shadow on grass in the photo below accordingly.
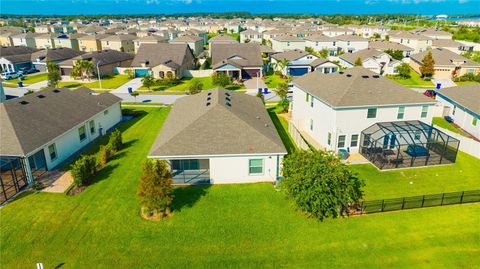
(187, 196)
(284, 135)
(103, 174)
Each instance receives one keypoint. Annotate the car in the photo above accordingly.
(11, 75)
(25, 70)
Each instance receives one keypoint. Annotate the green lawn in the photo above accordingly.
(273, 81)
(234, 226)
(111, 82)
(185, 83)
(29, 79)
(414, 81)
(282, 127)
(441, 122)
(460, 83)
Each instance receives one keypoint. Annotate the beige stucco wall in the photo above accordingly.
(163, 68)
(89, 45)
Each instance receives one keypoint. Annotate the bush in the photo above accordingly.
(155, 192)
(105, 154)
(468, 77)
(320, 184)
(220, 79)
(195, 87)
(403, 70)
(130, 73)
(283, 105)
(115, 141)
(83, 170)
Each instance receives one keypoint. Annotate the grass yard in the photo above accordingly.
(273, 81)
(461, 83)
(282, 128)
(415, 81)
(185, 85)
(441, 122)
(29, 79)
(111, 82)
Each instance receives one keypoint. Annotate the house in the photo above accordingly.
(163, 60)
(5, 39)
(418, 42)
(287, 42)
(319, 42)
(15, 50)
(14, 63)
(123, 43)
(384, 45)
(451, 45)
(91, 43)
(42, 29)
(222, 39)
(24, 39)
(332, 110)
(433, 33)
(151, 39)
(220, 136)
(239, 61)
(462, 104)
(447, 63)
(250, 36)
(194, 42)
(40, 131)
(351, 43)
(41, 57)
(374, 60)
(337, 31)
(368, 31)
(67, 41)
(300, 62)
(44, 41)
(105, 61)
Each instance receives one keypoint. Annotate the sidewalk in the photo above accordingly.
(134, 84)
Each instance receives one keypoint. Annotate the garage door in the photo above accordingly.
(141, 72)
(65, 71)
(298, 71)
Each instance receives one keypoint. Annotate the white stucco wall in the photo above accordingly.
(281, 46)
(461, 117)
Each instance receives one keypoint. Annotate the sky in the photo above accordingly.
(75, 7)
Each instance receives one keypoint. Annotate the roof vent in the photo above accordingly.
(41, 96)
(376, 76)
(258, 117)
(210, 93)
(208, 103)
(56, 91)
(228, 104)
(349, 75)
(227, 94)
(23, 102)
(209, 98)
(364, 76)
(341, 72)
(266, 124)
(228, 99)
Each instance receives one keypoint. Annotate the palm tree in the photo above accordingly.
(283, 65)
(82, 69)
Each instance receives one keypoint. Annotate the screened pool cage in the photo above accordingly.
(403, 144)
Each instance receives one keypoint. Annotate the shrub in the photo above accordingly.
(115, 141)
(155, 192)
(283, 105)
(130, 73)
(195, 87)
(320, 184)
(83, 170)
(105, 154)
(403, 70)
(220, 79)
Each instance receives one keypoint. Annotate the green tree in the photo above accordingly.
(155, 192)
(396, 54)
(427, 68)
(283, 66)
(130, 73)
(82, 69)
(387, 37)
(195, 87)
(358, 62)
(148, 81)
(403, 70)
(134, 95)
(53, 74)
(220, 79)
(83, 170)
(320, 184)
(282, 90)
(324, 53)
(115, 140)
(261, 96)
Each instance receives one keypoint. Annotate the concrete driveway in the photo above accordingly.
(445, 82)
(134, 84)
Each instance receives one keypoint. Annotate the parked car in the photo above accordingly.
(25, 71)
(11, 75)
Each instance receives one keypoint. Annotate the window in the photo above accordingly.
(366, 140)
(474, 121)
(311, 101)
(354, 141)
(311, 124)
(52, 151)
(255, 166)
(81, 133)
(92, 127)
(306, 97)
(105, 112)
(341, 141)
(401, 112)
(424, 111)
(371, 113)
(453, 111)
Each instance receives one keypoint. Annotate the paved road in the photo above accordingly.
(150, 98)
(134, 84)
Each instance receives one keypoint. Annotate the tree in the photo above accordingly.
(53, 74)
(396, 54)
(155, 192)
(387, 37)
(403, 70)
(282, 90)
(324, 53)
(428, 63)
(283, 66)
(261, 96)
(376, 36)
(82, 69)
(358, 62)
(148, 81)
(195, 87)
(320, 184)
(115, 140)
(83, 170)
(134, 95)
(130, 73)
(220, 79)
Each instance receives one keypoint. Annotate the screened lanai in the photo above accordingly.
(405, 144)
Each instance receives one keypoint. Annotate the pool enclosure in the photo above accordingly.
(405, 144)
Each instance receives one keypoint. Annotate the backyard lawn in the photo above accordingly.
(235, 226)
(111, 82)
(415, 81)
(273, 81)
(441, 122)
(185, 83)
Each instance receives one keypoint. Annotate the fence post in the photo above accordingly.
(403, 203)
(461, 198)
(443, 196)
(423, 200)
(383, 204)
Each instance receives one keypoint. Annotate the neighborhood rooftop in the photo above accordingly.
(465, 95)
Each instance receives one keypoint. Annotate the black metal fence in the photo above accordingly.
(376, 206)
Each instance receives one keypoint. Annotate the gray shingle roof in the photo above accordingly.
(358, 86)
(222, 39)
(104, 56)
(388, 45)
(362, 54)
(57, 54)
(290, 55)
(466, 95)
(249, 52)
(161, 53)
(25, 127)
(445, 57)
(14, 50)
(195, 128)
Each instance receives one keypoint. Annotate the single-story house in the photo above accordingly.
(106, 60)
(194, 42)
(301, 62)
(40, 58)
(16, 50)
(448, 64)
(374, 60)
(332, 110)
(239, 61)
(220, 136)
(462, 104)
(384, 45)
(40, 131)
(163, 60)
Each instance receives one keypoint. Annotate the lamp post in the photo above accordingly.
(98, 73)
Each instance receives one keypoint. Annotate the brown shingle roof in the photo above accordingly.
(104, 56)
(388, 45)
(249, 53)
(57, 54)
(445, 57)
(161, 53)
